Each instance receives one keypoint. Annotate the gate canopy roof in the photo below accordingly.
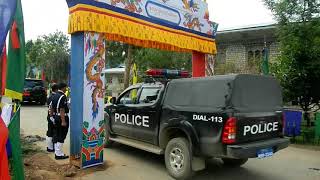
(175, 25)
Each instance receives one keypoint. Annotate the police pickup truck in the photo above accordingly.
(189, 120)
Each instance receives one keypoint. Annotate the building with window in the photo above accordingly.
(114, 81)
(240, 50)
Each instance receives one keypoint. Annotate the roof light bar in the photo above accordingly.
(167, 73)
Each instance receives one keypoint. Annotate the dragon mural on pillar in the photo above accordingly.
(94, 69)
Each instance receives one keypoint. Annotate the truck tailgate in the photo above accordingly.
(258, 126)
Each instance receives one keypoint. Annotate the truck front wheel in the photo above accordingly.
(178, 158)
(107, 142)
(234, 162)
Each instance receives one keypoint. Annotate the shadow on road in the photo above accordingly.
(215, 169)
(31, 104)
(140, 155)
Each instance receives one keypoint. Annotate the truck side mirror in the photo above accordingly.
(113, 100)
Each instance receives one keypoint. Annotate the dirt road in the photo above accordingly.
(127, 163)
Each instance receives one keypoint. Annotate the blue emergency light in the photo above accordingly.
(167, 73)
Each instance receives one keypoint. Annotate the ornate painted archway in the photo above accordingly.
(175, 25)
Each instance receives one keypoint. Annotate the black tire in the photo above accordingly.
(107, 142)
(234, 162)
(179, 146)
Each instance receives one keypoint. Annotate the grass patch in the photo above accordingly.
(29, 148)
(307, 137)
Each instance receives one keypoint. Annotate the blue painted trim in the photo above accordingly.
(163, 20)
(92, 163)
(72, 3)
(77, 69)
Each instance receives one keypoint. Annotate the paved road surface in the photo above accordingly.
(127, 163)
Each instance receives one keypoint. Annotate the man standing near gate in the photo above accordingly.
(50, 119)
(60, 112)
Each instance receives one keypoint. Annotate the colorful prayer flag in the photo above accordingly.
(14, 137)
(43, 76)
(134, 80)
(135, 74)
(4, 168)
(265, 62)
(7, 10)
(16, 65)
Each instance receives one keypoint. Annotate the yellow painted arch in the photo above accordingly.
(131, 30)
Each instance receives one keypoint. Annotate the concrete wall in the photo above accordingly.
(237, 53)
(241, 50)
(274, 51)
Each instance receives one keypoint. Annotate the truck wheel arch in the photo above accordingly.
(180, 129)
(107, 122)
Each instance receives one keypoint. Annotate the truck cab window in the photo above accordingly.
(149, 95)
(130, 97)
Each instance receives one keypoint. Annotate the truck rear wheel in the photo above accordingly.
(234, 162)
(178, 158)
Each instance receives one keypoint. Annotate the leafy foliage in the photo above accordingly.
(146, 58)
(153, 58)
(252, 67)
(50, 53)
(298, 67)
(116, 53)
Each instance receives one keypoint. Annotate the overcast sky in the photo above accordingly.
(46, 16)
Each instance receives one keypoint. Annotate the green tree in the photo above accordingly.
(30, 65)
(154, 58)
(298, 67)
(116, 53)
(50, 53)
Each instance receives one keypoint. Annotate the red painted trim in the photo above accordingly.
(198, 64)
(138, 22)
(4, 168)
(86, 153)
(98, 150)
(85, 131)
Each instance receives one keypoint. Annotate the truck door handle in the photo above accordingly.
(113, 110)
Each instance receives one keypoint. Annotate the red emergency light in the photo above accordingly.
(26, 93)
(167, 73)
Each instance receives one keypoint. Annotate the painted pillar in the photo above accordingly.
(198, 64)
(87, 99)
(76, 82)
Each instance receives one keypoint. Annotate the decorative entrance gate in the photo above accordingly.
(174, 25)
